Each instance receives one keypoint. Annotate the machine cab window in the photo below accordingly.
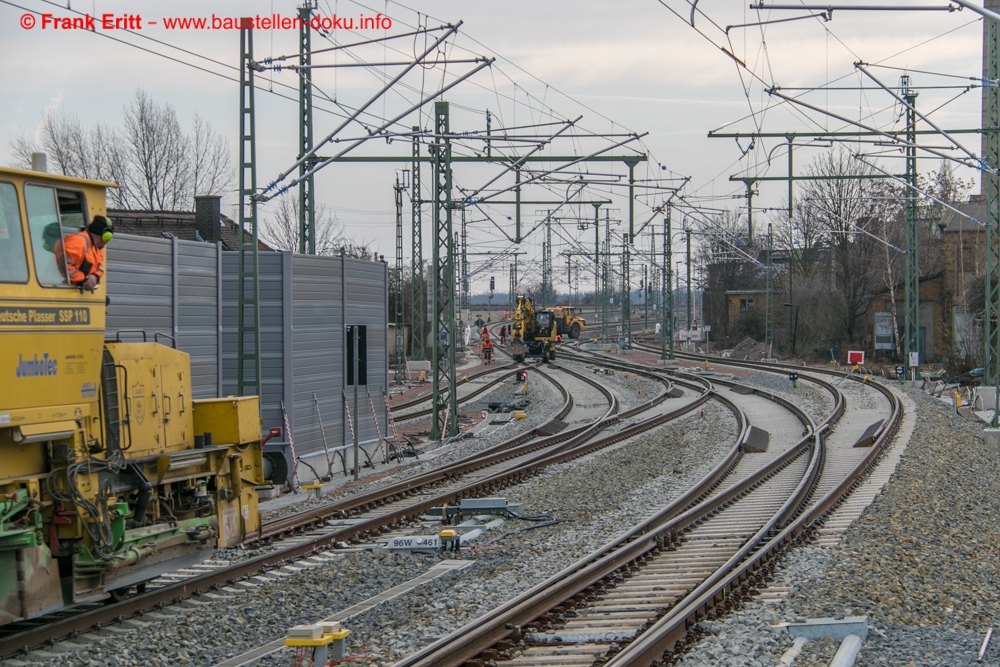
(52, 214)
(13, 259)
(543, 322)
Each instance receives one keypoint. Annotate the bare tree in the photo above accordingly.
(157, 154)
(155, 164)
(281, 230)
(843, 200)
(212, 166)
(21, 148)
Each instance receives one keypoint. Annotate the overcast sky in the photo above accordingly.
(625, 67)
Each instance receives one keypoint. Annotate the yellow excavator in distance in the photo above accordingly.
(568, 323)
(533, 332)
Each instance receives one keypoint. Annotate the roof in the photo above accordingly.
(956, 222)
(179, 224)
(69, 180)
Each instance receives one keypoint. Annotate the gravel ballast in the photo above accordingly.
(598, 495)
(921, 562)
(545, 402)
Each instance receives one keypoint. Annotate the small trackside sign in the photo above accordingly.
(414, 542)
(855, 358)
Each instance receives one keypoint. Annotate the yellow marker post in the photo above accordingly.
(325, 641)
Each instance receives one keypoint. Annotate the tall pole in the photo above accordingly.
(517, 204)
(597, 256)
(569, 279)
(991, 150)
(357, 381)
(667, 312)
(547, 295)
(769, 296)
(512, 299)
(417, 258)
(626, 294)
(465, 263)
(911, 308)
(749, 185)
(631, 162)
(645, 294)
(400, 376)
(249, 273)
(307, 197)
(606, 276)
(443, 290)
(687, 232)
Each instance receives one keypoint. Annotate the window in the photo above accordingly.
(52, 214)
(13, 260)
(746, 304)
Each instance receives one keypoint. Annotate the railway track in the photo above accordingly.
(376, 512)
(500, 371)
(637, 600)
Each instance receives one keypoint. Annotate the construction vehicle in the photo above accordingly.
(112, 475)
(568, 323)
(533, 332)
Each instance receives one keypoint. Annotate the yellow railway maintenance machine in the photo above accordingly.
(110, 474)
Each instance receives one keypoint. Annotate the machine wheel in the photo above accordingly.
(275, 468)
(574, 331)
(518, 358)
(118, 594)
(552, 355)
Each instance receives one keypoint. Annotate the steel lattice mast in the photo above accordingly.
(307, 197)
(991, 179)
(400, 376)
(417, 259)
(248, 290)
(443, 291)
(769, 295)
(626, 327)
(667, 312)
(911, 298)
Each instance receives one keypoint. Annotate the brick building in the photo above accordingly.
(206, 224)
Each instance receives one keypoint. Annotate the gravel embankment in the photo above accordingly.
(599, 495)
(921, 562)
(545, 402)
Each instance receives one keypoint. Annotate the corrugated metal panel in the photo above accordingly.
(318, 339)
(141, 285)
(271, 334)
(366, 304)
(302, 346)
(198, 314)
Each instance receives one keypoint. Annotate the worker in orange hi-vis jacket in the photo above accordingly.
(487, 351)
(81, 256)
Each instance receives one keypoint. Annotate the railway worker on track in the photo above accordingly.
(487, 350)
(81, 256)
(503, 335)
